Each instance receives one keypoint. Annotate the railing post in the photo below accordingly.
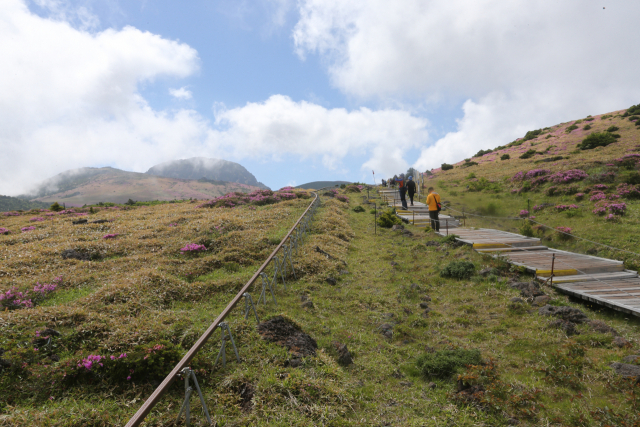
(553, 261)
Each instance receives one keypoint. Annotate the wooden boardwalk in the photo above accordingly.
(418, 214)
(599, 280)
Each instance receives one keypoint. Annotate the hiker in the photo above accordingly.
(411, 189)
(433, 201)
(403, 191)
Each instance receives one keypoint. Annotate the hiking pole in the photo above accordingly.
(375, 218)
(553, 261)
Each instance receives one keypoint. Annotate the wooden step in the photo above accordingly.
(595, 277)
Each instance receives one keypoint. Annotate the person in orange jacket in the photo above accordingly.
(433, 201)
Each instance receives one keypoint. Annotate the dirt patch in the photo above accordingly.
(73, 254)
(603, 328)
(528, 289)
(246, 392)
(287, 334)
(568, 327)
(569, 314)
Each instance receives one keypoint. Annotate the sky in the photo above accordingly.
(299, 90)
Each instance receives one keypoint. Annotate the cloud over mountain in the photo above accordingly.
(519, 65)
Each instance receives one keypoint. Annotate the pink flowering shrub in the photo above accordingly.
(611, 218)
(34, 219)
(627, 191)
(597, 196)
(563, 233)
(618, 208)
(536, 172)
(562, 208)
(342, 198)
(147, 362)
(173, 224)
(4, 230)
(256, 198)
(14, 299)
(565, 177)
(524, 213)
(110, 236)
(11, 214)
(601, 187)
(579, 196)
(193, 248)
(601, 210)
(26, 229)
(613, 196)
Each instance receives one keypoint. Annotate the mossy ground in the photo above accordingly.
(384, 280)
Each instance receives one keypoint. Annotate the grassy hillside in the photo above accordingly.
(8, 203)
(116, 186)
(322, 184)
(410, 332)
(595, 192)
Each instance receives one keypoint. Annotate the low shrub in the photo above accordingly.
(505, 157)
(532, 134)
(526, 229)
(451, 238)
(444, 363)
(358, 209)
(597, 139)
(571, 128)
(586, 127)
(483, 152)
(458, 270)
(55, 207)
(563, 233)
(446, 167)
(468, 164)
(388, 219)
(352, 189)
(612, 129)
(528, 154)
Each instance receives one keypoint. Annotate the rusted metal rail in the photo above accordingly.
(144, 410)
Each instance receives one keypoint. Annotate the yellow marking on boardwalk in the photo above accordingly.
(556, 272)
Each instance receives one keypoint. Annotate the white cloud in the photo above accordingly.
(181, 93)
(521, 64)
(281, 126)
(71, 98)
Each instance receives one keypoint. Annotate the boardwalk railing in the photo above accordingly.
(289, 243)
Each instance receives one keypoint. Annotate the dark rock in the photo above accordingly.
(425, 298)
(307, 304)
(407, 233)
(565, 313)
(295, 363)
(516, 299)
(592, 251)
(426, 312)
(99, 221)
(432, 243)
(424, 305)
(407, 310)
(54, 357)
(486, 271)
(541, 300)
(621, 342)
(603, 328)
(386, 329)
(633, 359)
(406, 383)
(246, 392)
(397, 227)
(283, 332)
(332, 281)
(432, 385)
(626, 370)
(79, 221)
(73, 254)
(568, 327)
(393, 263)
(397, 374)
(528, 289)
(344, 356)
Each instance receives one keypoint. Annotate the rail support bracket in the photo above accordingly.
(188, 391)
(248, 303)
(265, 283)
(223, 352)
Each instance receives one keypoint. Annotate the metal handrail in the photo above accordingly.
(144, 410)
